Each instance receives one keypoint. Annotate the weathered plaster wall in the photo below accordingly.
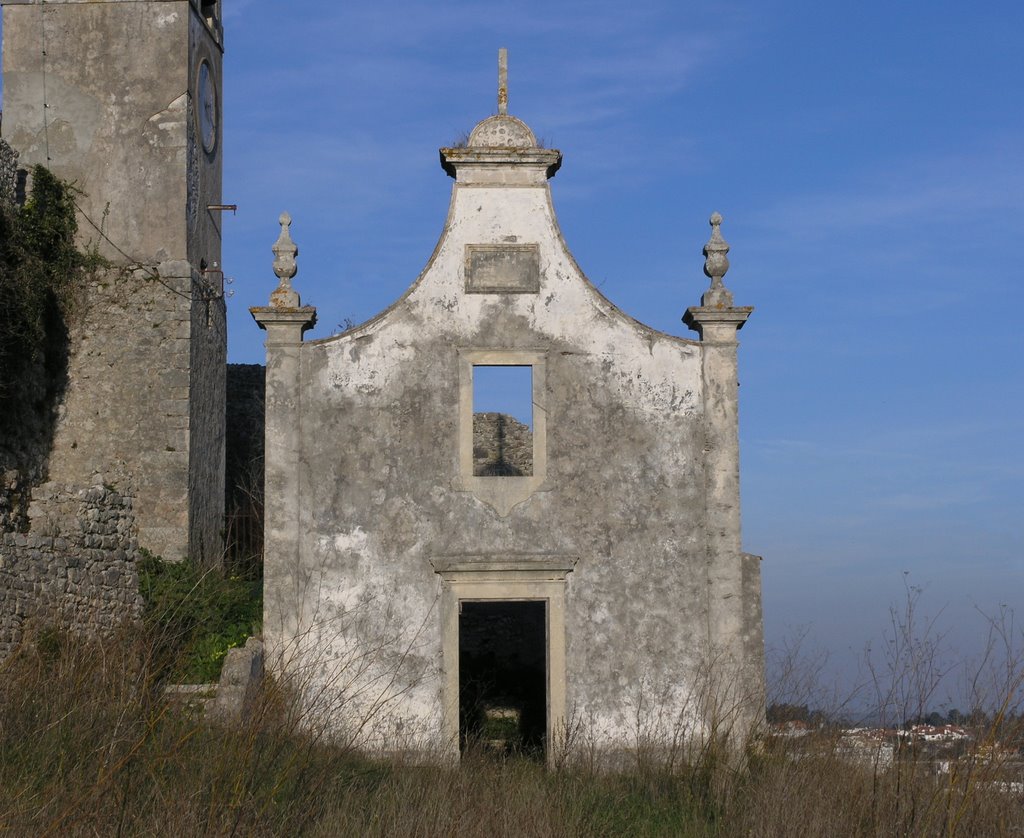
(372, 472)
(753, 630)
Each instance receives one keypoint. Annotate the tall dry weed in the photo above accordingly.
(90, 745)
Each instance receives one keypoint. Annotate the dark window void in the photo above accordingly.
(209, 11)
(502, 421)
(503, 676)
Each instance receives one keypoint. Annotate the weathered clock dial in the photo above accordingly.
(206, 90)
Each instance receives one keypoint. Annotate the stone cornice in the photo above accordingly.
(697, 317)
(303, 315)
(547, 158)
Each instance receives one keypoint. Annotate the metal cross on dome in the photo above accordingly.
(503, 80)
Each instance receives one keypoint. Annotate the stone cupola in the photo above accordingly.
(501, 150)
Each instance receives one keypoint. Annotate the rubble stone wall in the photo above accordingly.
(502, 445)
(8, 173)
(243, 480)
(135, 356)
(76, 567)
(246, 395)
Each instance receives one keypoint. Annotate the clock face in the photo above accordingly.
(206, 90)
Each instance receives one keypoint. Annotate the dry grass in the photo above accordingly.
(88, 746)
(819, 791)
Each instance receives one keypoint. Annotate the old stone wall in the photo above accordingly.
(136, 395)
(127, 398)
(8, 173)
(147, 353)
(139, 348)
(243, 481)
(206, 395)
(246, 395)
(502, 445)
(76, 567)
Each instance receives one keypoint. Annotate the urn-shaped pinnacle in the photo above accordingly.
(716, 263)
(285, 251)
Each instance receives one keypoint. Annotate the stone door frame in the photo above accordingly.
(507, 578)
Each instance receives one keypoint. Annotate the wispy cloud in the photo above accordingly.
(983, 185)
(950, 497)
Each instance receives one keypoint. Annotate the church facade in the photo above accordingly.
(440, 570)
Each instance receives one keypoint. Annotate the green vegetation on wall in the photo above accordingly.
(40, 270)
(197, 615)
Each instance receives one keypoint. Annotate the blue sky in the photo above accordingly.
(869, 161)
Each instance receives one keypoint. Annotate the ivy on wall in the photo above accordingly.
(42, 271)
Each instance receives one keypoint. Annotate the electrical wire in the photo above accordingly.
(46, 104)
(150, 271)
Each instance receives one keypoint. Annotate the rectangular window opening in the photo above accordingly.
(502, 420)
(503, 701)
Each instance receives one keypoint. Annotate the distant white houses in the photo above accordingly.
(875, 746)
(935, 733)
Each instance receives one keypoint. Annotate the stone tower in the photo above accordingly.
(123, 99)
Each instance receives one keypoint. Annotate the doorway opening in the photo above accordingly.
(503, 667)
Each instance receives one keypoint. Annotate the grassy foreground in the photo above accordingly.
(88, 746)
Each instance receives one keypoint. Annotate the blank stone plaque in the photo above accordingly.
(502, 268)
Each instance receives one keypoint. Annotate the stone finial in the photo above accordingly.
(503, 81)
(716, 264)
(285, 251)
(716, 318)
